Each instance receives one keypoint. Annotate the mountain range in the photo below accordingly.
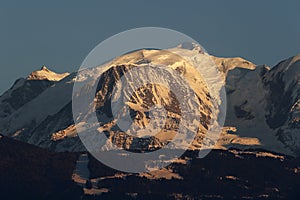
(262, 105)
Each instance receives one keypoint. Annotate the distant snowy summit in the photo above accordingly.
(45, 74)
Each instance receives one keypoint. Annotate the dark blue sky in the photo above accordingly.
(60, 34)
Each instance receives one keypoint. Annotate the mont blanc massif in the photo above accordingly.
(256, 155)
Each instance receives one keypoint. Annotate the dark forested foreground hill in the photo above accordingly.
(29, 172)
(253, 174)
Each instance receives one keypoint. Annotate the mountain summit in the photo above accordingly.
(45, 74)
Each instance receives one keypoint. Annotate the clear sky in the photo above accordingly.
(59, 34)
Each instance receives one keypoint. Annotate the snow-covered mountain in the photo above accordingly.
(263, 105)
(283, 110)
(25, 90)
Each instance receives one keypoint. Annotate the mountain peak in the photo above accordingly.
(45, 74)
(192, 46)
(44, 68)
